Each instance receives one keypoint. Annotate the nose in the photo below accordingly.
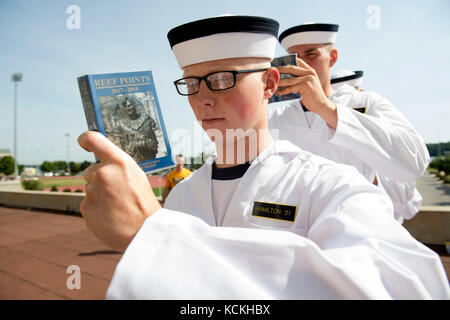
(205, 96)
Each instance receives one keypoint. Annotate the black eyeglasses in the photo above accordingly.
(216, 81)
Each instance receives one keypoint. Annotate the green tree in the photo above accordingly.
(60, 165)
(47, 166)
(84, 165)
(7, 165)
(75, 167)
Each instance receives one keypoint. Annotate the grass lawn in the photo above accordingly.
(73, 181)
(70, 181)
(157, 192)
(42, 184)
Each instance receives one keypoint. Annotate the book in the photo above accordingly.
(290, 59)
(124, 107)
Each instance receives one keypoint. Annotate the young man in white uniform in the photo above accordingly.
(379, 141)
(346, 77)
(292, 226)
(404, 195)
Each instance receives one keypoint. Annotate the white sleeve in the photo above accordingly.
(382, 138)
(404, 195)
(355, 250)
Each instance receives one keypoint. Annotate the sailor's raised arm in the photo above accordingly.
(383, 138)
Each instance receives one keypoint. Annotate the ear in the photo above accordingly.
(271, 79)
(333, 56)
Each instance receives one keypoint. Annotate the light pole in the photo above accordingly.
(68, 161)
(16, 77)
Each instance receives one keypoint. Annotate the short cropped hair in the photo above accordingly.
(329, 46)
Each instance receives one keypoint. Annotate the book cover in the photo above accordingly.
(124, 107)
(286, 60)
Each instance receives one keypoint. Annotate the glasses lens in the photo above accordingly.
(187, 86)
(220, 80)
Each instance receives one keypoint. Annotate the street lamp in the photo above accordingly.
(16, 77)
(68, 163)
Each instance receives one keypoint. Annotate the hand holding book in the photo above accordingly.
(118, 196)
(305, 82)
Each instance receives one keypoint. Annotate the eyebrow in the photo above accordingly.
(310, 50)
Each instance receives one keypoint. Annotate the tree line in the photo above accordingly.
(7, 162)
(7, 166)
(54, 166)
(438, 149)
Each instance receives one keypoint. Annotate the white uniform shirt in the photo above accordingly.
(341, 242)
(378, 140)
(405, 197)
(222, 192)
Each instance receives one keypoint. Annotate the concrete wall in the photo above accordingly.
(61, 201)
(11, 185)
(431, 225)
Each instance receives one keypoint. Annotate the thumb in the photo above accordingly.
(97, 143)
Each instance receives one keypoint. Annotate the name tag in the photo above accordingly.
(274, 211)
(361, 109)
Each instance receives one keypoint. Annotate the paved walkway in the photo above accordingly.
(433, 191)
(36, 249)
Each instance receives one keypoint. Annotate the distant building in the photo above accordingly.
(31, 170)
(5, 153)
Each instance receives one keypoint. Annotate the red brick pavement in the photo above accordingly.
(36, 249)
(157, 181)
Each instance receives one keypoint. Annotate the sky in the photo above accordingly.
(402, 47)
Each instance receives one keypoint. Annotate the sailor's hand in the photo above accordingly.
(118, 195)
(306, 82)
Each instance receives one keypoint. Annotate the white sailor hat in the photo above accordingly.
(224, 37)
(309, 33)
(352, 78)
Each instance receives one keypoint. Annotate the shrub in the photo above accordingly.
(54, 188)
(446, 167)
(447, 179)
(441, 164)
(67, 190)
(78, 190)
(32, 185)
